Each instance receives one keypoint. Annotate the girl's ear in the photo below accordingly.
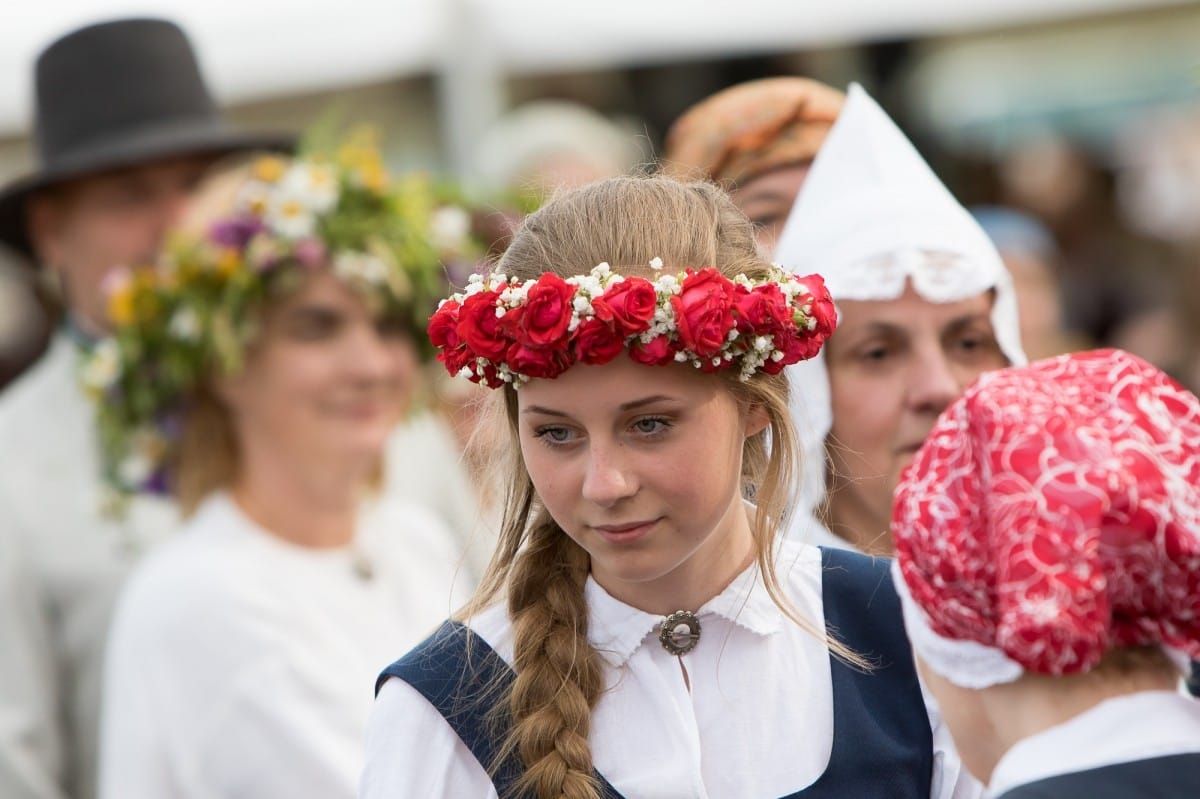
(756, 420)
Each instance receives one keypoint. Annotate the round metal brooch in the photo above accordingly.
(679, 632)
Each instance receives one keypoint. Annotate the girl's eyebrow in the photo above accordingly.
(627, 406)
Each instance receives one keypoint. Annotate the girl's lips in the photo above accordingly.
(625, 533)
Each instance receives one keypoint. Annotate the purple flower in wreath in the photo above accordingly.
(236, 232)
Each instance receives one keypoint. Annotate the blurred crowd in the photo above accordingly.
(167, 364)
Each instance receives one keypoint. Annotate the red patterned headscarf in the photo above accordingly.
(1053, 514)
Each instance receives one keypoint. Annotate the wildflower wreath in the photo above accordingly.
(193, 312)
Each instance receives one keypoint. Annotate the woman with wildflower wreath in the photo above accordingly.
(257, 372)
(645, 629)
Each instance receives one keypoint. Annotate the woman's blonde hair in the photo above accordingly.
(623, 221)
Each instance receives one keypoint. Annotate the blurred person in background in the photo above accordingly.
(1158, 190)
(1031, 257)
(425, 461)
(257, 372)
(1048, 562)
(26, 320)
(757, 141)
(1117, 288)
(924, 301)
(124, 127)
(546, 145)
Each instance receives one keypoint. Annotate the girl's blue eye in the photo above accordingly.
(651, 425)
(553, 435)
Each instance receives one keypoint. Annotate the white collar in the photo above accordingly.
(1136, 727)
(616, 629)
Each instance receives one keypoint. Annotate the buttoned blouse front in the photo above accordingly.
(753, 717)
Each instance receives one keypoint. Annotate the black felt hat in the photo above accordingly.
(118, 94)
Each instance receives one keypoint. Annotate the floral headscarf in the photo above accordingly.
(1053, 514)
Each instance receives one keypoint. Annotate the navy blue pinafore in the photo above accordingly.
(1167, 777)
(882, 744)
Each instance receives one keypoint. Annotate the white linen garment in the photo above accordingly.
(61, 566)
(759, 687)
(1140, 726)
(242, 665)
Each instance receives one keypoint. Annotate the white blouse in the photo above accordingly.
(242, 665)
(1139, 726)
(767, 709)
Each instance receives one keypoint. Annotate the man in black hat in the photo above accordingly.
(124, 128)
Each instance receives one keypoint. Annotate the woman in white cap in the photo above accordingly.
(925, 306)
(1048, 560)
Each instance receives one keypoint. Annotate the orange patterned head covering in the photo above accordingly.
(743, 131)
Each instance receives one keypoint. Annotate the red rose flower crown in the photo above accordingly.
(503, 330)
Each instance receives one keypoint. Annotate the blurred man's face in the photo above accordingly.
(85, 228)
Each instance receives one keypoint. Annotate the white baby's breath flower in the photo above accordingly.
(656, 263)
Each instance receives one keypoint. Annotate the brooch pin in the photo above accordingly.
(679, 632)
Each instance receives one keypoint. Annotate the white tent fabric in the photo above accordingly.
(261, 48)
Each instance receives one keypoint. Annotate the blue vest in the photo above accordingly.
(1169, 777)
(882, 744)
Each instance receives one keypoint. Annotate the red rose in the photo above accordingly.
(704, 311)
(657, 353)
(479, 327)
(796, 345)
(443, 334)
(442, 327)
(455, 360)
(538, 361)
(546, 312)
(823, 310)
(490, 378)
(762, 311)
(629, 305)
(597, 342)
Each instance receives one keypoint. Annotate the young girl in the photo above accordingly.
(643, 630)
(1048, 553)
(257, 371)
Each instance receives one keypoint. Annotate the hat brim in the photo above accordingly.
(133, 150)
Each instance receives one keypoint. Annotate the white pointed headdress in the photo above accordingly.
(870, 217)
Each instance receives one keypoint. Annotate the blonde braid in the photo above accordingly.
(558, 674)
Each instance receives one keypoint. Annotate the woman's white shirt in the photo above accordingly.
(1139, 726)
(760, 688)
(242, 665)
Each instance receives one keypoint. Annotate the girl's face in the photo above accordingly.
(323, 383)
(894, 365)
(641, 466)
